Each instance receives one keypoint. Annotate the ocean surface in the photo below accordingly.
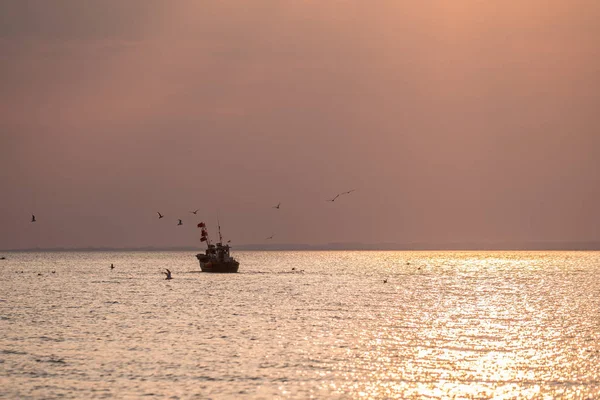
(301, 325)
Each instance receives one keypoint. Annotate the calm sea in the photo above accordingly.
(301, 325)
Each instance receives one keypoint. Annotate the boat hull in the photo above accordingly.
(224, 267)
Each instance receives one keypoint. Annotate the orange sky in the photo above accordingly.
(455, 121)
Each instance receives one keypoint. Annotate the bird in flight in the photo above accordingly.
(168, 274)
(341, 194)
(277, 206)
(32, 218)
(159, 215)
(179, 223)
(195, 212)
(270, 237)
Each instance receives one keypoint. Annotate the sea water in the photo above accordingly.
(301, 325)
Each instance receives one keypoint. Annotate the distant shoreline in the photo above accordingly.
(505, 246)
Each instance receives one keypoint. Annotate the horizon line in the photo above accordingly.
(350, 246)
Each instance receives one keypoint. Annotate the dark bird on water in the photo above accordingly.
(341, 194)
(168, 274)
(32, 218)
(195, 212)
(270, 237)
(179, 223)
(112, 266)
(159, 215)
(277, 206)
(385, 280)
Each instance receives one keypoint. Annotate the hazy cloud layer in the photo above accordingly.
(455, 121)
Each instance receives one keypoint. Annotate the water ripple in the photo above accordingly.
(445, 325)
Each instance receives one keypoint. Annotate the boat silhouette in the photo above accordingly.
(216, 258)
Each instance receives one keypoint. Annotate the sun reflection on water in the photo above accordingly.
(480, 327)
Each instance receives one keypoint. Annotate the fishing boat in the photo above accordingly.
(216, 258)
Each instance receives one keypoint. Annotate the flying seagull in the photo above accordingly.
(32, 218)
(159, 215)
(195, 212)
(270, 237)
(277, 206)
(341, 194)
(168, 274)
(179, 223)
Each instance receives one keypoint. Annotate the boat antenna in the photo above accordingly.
(219, 226)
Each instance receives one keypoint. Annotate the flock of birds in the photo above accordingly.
(195, 212)
(277, 207)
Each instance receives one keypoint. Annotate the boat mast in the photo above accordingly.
(219, 226)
